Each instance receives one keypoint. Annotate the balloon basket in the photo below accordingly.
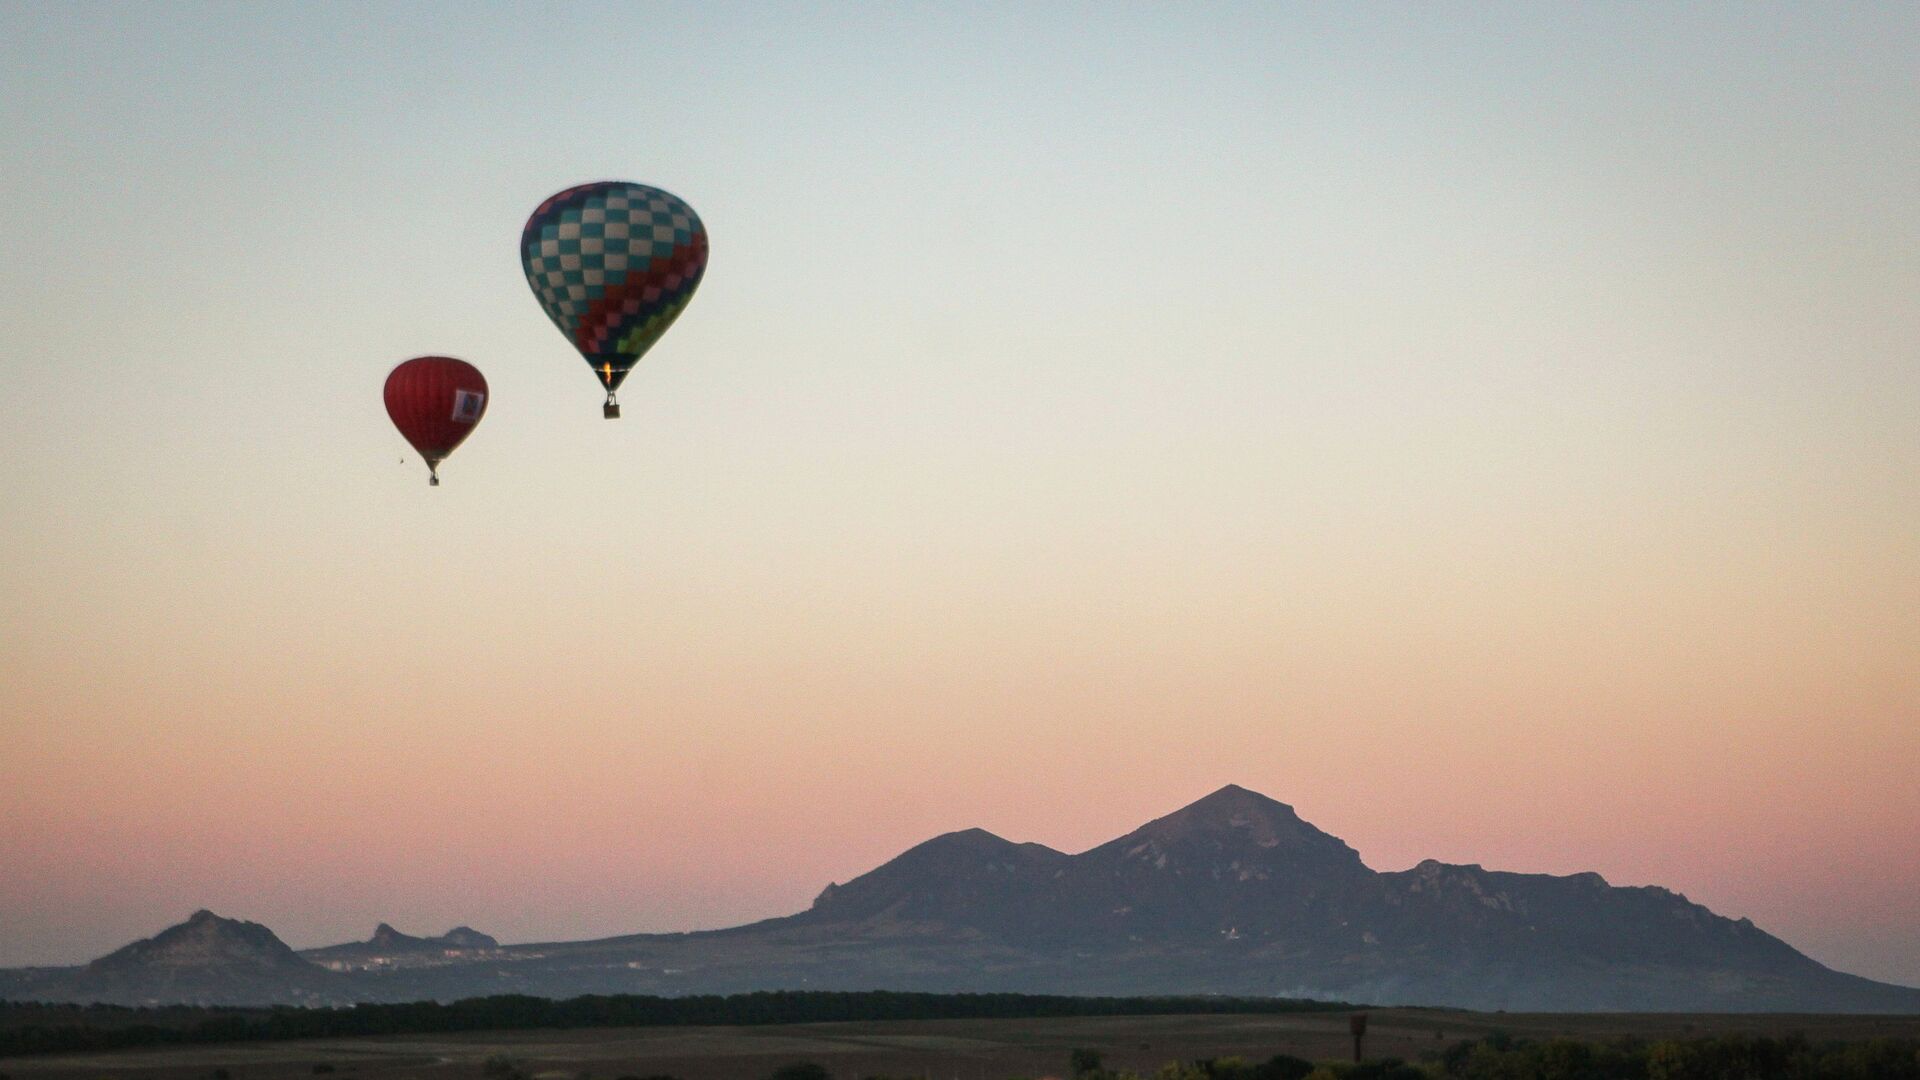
(611, 410)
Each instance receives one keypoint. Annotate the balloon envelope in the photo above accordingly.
(436, 401)
(613, 264)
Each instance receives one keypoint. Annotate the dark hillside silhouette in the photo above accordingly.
(1233, 895)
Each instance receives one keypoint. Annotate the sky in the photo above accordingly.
(1492, 430)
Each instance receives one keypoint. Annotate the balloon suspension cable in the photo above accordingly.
(433, 474)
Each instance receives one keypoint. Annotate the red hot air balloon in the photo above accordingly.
(435, 401)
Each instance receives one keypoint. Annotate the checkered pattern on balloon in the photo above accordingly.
(613, 264)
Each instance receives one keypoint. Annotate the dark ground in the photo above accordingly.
(936, 1049)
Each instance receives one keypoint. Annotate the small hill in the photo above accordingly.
(204, 942)
(207, 960)
(388, 945)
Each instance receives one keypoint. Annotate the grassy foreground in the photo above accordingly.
(34, 1028)
(1314, 1042)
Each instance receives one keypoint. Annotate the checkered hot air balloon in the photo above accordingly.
(613, 264)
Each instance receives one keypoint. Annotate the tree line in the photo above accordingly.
(1498, 1057)
(36, 1028)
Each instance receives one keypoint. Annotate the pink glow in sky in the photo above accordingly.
(1503, 446)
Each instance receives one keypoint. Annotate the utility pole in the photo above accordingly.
(1357, 1023)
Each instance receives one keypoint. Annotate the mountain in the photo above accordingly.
(1576, 942)
(204, 941)
(971, 879)
(1232, 858)
(1235, 866)
(206, 960)
(1234, 894)
(465, 937)
(389, 947)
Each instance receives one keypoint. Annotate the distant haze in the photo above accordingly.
(1495, 431)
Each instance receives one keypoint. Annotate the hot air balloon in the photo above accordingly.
(613, 264)
(435, 401)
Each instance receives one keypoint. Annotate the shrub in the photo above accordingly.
(801, 1070)
(502, 1067)
(1082, 1061)
(1283, 1067)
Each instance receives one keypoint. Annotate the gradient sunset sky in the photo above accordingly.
(1493, 430)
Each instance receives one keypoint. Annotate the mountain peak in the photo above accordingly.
(205, 940)
(1235, 799)
(967, 850)
(1240, 817)
(1236, 791)
(389, 943)
(466, 937)
(939, 878)
(975, 838)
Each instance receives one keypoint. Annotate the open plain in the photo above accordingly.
(934, 1049)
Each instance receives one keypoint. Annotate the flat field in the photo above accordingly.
(935, 1049)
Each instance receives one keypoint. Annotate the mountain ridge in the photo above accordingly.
(388, 943)
(1232, 894)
